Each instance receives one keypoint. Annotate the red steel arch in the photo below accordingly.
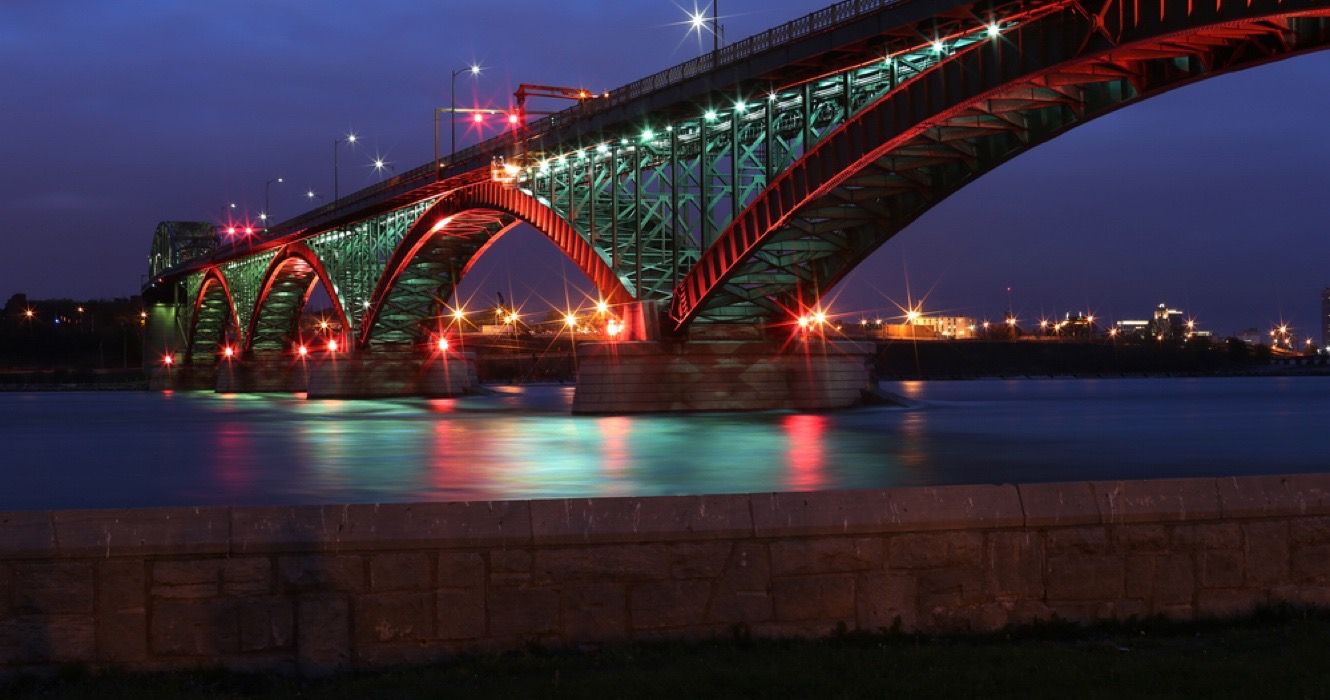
(1073, 42)
(294, 251)
(501, 201)
(211, 277)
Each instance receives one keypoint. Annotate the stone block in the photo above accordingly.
(821, 513)
(1161, 579)
(381, 527)
(321, 572)
(951, 587)
(1059, 505)
(1311, 564)
(672, 518)
(193, 578)
(1157, 500)
(323, 641)
(246, 576)
(122, 636)
(387, 617)
(932, 549)
(53, 587)
(1309, 596)
(460, 570)
(1266, 549)
(1221, 568)
(461, 613)
(730, 606)
(400, 571)
(1014, 565)
(193, 628)
(141, 531)
(676, 603)
(825, 597)
(1077, 540)
(121, 585)
(266, 623)
(821, 555)
(595, 611)
(698, 559)
(44, 639)
(1310, 530)
(6, 590)
(1229, 603)
(886, 601)
(1085, 577)
(523, 613)
(1207, 536)
(510, 561)
(620, 562)
(26, 534)
(1140, 538)
(1274, 495)
(748, 568)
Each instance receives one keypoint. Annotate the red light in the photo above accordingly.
(230, 230)
(168, 359)
(477, 117)
(443, 345)
(249, 230)
(229, 351)
(512, 119)
(302, 351)
(332, 345)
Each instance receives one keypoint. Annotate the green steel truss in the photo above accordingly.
(650, 200)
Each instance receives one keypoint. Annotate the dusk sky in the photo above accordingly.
(117, 115)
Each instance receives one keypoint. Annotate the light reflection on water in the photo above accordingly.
(73, 450)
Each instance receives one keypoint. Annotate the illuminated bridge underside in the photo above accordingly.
(988, 103)
(443, 245)
(213, 320)
(289, 282)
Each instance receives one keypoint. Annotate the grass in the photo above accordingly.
(1283, 654)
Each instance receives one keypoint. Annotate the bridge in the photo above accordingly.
(718, 198)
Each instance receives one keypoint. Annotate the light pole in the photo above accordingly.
(222, 215)
(474, 69)
(267, 207)
(351, 139)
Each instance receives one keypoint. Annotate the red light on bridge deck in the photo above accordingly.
(229, 351)
(332, 345)
(443, 345)
(512, 119)
(302, 351)
(249, 230)
(230, 230)
(168, 359)
(477, 117)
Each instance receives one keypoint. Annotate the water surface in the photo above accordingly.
(123, 449)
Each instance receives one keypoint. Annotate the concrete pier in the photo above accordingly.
(376, 374)
(263, 373)
(654, 377)
(182, 378)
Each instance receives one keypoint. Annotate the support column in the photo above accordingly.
(651, 377)
(269, 372)
(387, 373)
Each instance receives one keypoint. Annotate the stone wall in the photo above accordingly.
(324, 588)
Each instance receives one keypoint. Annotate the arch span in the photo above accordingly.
(213, 321)
(918, 144)
(288, 283)
(445, 242)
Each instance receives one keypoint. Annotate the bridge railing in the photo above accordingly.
(479, 155)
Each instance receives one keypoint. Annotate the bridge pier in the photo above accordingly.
(384, 373)
(653, 377)
(182, 378)
(276, 372)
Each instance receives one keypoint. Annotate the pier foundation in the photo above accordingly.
(652, 377)
(374, 374)
(263, 373)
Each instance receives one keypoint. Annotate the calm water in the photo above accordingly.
(112, 449)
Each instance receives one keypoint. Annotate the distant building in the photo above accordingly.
(176, 242)
(1167, 324)
(1133, 330)
(928, 328)
(1325, 317)
(1251, 336)
(1077, 324)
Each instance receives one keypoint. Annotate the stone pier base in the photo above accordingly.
(279, 373)
(182, 378)
(372, 374)
(720, 376)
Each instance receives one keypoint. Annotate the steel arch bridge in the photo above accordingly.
(739, 186)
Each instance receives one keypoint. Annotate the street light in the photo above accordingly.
(222, 215)
(267, 207)
(351, 139)
(474, 69)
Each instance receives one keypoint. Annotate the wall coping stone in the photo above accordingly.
(224, 530)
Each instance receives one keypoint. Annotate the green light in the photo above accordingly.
(710, 115)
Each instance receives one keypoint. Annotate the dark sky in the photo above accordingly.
(116, 115)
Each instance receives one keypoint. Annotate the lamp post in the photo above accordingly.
(351, 139)
(474, 69)
(222, 215)
(267, 207)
